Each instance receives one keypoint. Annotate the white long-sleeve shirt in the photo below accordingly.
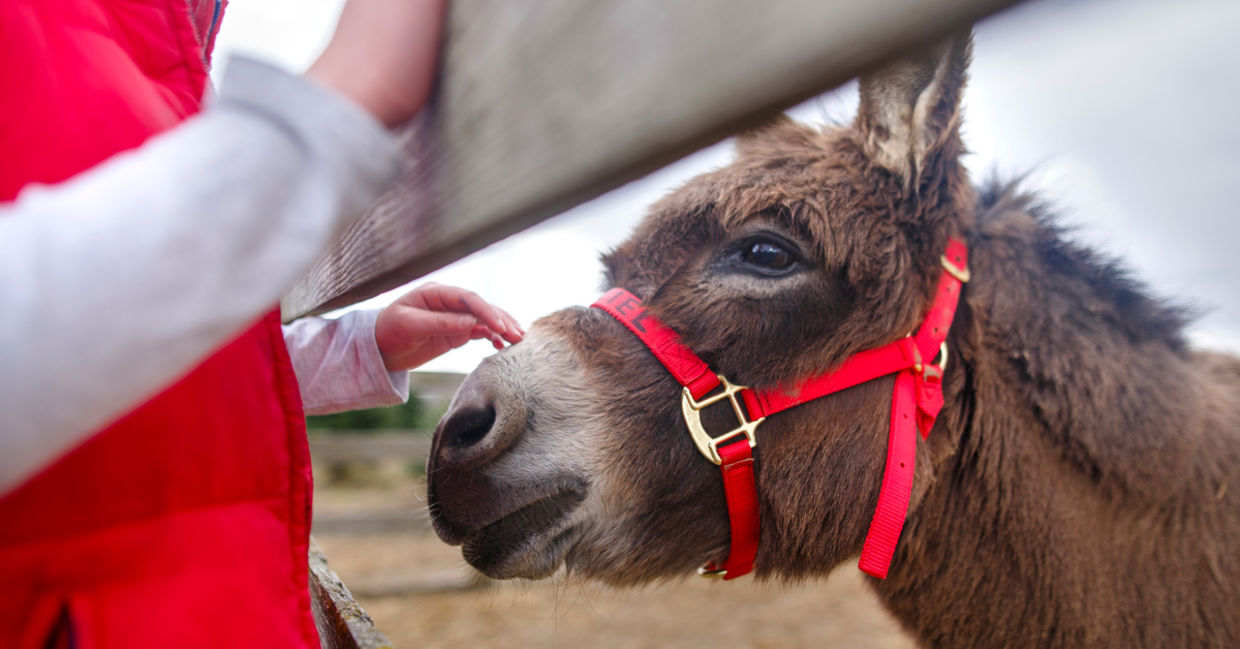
(117, 282)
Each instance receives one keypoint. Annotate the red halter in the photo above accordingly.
(916, 401)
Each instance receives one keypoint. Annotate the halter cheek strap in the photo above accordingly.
(917, 360)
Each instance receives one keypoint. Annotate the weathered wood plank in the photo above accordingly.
(544, 104)
(340, 620)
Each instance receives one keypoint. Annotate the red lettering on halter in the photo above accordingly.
(680, 361)
(637, 320)
(628, 304)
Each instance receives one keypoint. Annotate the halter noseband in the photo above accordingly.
(916, 401)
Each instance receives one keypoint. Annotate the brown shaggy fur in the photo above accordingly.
(1076, 490)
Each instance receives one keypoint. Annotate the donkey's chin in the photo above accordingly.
(530, 542)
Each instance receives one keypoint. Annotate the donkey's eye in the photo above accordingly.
(768, 257)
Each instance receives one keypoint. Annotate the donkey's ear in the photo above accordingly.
(775, 134)
(910, 108)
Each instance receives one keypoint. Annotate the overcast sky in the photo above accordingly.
(1123, 112)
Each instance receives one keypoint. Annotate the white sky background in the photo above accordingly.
(1122, 110)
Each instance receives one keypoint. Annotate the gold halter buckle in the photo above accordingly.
(711, 573)
(709, 445)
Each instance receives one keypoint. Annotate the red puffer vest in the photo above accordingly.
(185, 523)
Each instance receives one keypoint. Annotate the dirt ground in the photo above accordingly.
(386, 568)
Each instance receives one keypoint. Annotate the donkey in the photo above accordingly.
(1074, 491)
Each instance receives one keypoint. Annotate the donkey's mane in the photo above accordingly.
(1136, 312)
(1102, 370)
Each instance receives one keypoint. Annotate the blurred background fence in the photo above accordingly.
(369, 470)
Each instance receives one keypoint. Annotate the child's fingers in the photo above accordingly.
(491, 315)
(515, 333)
(511, 331)
(438, 297)
(420, 324)
(481, 332)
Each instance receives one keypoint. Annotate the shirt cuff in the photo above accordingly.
(338, 364)
(397, 382)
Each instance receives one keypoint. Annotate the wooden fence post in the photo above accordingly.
(544, 104)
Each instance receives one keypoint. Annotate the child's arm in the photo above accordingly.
(349, 363)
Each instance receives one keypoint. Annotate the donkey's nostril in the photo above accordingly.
(468, 426)
(482, 423)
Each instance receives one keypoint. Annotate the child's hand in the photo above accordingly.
(432, 319)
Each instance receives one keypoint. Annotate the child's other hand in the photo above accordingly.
(432, 319)
(383, 56)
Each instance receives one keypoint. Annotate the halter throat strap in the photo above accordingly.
(917, 360)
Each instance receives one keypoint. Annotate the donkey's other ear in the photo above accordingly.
(910, 108)
(775, 134)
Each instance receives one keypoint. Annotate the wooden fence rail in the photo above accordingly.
(341, 622)
(544, 104)
(369, 446)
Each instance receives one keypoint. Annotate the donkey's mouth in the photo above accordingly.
(530, 542)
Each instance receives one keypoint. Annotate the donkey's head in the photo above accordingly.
(570, 447)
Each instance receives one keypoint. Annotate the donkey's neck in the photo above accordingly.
(1070, 504)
